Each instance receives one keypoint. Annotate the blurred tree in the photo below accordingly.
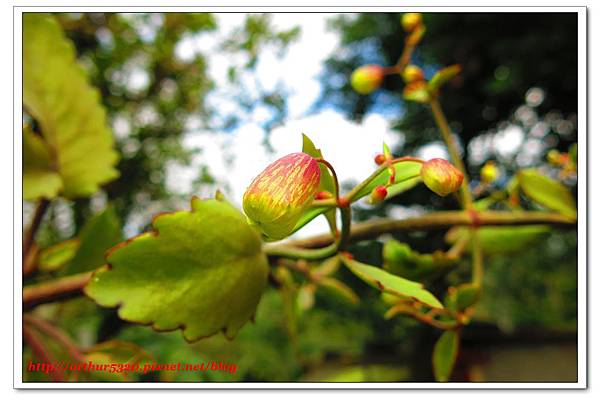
(502, 55)
(154, 94)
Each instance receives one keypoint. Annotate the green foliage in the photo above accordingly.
(400, 259)
(391, 284)
(462, 297)
(201, 271)
(501, 240)
(444, 355)
(547, 192)
(39, 178)
(57, 256)
(101, 233)
(405, 171)
(72, 121)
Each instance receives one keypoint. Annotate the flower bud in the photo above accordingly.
(323, 195)
(278, 196)
(367, 78)
(380, 159)
(441, 177)
(489, 172)
(378, 194)
(410, 21)
(412, 73)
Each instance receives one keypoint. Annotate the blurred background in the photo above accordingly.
(199, 102)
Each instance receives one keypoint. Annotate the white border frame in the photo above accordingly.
(582, 353)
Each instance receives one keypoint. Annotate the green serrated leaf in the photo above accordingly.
(40, 180)
(400, 259)
(444, 355)
(73, 123)
(547, 192)
(101, 232)
(201, 271)
(327, 183)
(390, 283)
(405, 171)
(442, 77)
(57, 256)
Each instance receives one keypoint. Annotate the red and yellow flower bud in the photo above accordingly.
(489, 172)
(378, 194)
(323, 195)
(410, 21)
(367, 78)
(412, 73)
(441, 177)
(380, 159)
(278, 196)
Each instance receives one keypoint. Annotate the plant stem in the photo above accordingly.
(29, 237)
(442, 123)
(292, 252)
(477, 259)
(40, 350)
(55, 290)
(346, 214)
(335, 178)
(438, 220)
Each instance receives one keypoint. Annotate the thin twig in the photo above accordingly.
(40, 350)
(60, 336)
(38, 215)
(438, 220)
(55, 290)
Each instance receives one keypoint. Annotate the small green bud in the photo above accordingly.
(367, 78)
(410, 21)
(441, 177)
(278, 196)
(412, 73)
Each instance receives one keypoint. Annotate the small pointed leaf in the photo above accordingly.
(405, 171)
(391, 284)
(444, 355)
(547, 192)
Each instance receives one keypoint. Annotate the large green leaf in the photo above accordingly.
(101, 233)
(391, 284)
(40, 180)
(73, 122)
(201, 270)
(405, 171)
(444, 355)
(399, 258)
(547, 192)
